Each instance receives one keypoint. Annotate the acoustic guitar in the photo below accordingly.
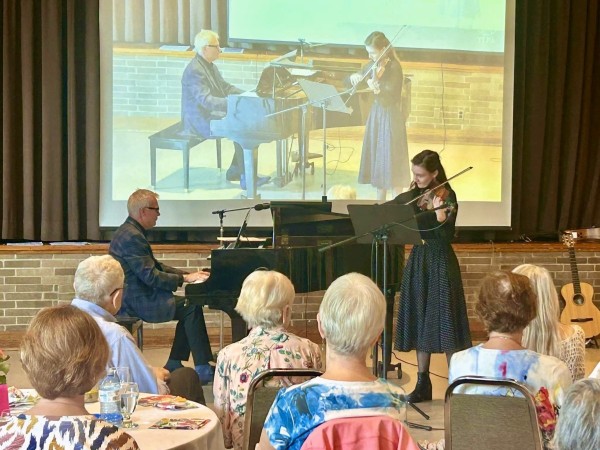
(579, 308)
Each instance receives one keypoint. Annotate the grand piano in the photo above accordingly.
(299, 230)
(246, 122)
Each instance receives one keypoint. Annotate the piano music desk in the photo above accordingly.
(171, 138)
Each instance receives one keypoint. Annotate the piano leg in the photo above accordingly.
(250, 166)
(239, 327)
(283, 175)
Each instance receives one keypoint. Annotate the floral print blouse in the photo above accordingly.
(239, 362)
(546, 377)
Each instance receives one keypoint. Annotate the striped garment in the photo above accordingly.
(66, 432)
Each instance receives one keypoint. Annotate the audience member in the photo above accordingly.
(64, 354)
(545, 334)
(350, 320)
(98, 290)
(341, 192)
(578, 426)
(149, 286)
(506, 305)
(265, 303)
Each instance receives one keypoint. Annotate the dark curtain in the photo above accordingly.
(50, 120)
(50, 117)
(556, 170)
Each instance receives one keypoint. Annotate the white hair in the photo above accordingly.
(264, 296)
(542, 335)
(578, 427)
(138, 200)
(352, 314)
(203, 38)
(97, 277)
(341, 192)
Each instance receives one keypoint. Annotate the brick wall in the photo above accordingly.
(451, 97)
(32, 278)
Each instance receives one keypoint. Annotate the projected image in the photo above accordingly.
(225, 124)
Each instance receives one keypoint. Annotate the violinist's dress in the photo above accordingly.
(432, 315)
(385, 163)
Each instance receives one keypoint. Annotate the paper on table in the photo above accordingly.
(180, 424)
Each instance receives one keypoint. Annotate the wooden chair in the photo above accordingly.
(491, 422)
(171, 138)
(259, 401)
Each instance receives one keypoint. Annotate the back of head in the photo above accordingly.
(577, 427)
(352, 314)
(430, 161)
(97, 277)
(204, 38)
(264, 296)
(64, 353)
(542, 334)
(138, 200)
(341, 192)
(506, 302)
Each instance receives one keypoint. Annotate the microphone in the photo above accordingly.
(262, 206)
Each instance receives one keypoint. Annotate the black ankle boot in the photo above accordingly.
(422, 390)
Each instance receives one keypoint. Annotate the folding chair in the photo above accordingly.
(492, 422)
(260, 398)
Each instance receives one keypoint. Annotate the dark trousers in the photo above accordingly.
(237, 162)
(190, 334)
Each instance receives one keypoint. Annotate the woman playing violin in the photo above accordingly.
(384, 163)
(432, 317)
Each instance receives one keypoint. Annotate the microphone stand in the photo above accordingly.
(242, 228)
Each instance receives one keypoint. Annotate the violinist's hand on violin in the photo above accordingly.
(437, 201)
(373, 84)
(355, 78)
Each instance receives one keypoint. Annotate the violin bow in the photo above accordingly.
(439, 185)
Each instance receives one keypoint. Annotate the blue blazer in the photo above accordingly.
(203, 96)
(149, 284)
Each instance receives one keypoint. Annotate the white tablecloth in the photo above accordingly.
(209, 437)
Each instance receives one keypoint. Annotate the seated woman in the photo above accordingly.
(64, 354)
(577, 427)
(545, 334)
(350, 320)
(265, 303)
(506, 304)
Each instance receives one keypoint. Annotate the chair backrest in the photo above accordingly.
(490, 421)
(260, 398)
(358, 433)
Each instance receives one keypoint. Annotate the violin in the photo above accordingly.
(378, 71)
(436, 189)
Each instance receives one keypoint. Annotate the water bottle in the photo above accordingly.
(109, 394)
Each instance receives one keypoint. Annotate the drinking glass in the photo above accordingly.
(124, 374)
(129, 398)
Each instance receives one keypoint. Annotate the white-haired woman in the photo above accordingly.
(350, 320)
(265, 303)
(577, 427)
(545, 334)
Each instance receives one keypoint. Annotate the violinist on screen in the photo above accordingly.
(432, 317)
(384, 163)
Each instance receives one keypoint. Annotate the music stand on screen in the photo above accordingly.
(318, 93)
(369, 218)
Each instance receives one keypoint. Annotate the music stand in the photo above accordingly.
(384, 224)
(327, 98)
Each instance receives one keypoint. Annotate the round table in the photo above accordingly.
(209, 437)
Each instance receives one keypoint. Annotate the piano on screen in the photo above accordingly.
(246, 122)
(299, 230)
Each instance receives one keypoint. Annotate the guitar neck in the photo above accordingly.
(574, 271)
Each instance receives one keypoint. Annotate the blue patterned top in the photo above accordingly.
(299, 409)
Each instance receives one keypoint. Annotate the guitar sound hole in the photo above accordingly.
(578, 299)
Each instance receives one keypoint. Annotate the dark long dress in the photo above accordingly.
(384, 163)
(432, 315)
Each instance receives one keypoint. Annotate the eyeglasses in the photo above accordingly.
(153, 208)
(122, 288)
(214, 46)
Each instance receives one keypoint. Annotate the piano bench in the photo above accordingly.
(171, 138)
(133, 325)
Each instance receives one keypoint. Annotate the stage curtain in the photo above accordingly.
(167, 21)
(50, 120)
(556, 171)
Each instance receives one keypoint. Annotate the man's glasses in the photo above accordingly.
(153, 208)
(215, 46)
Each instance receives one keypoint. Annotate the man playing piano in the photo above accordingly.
(204, 98)
(149, 286)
